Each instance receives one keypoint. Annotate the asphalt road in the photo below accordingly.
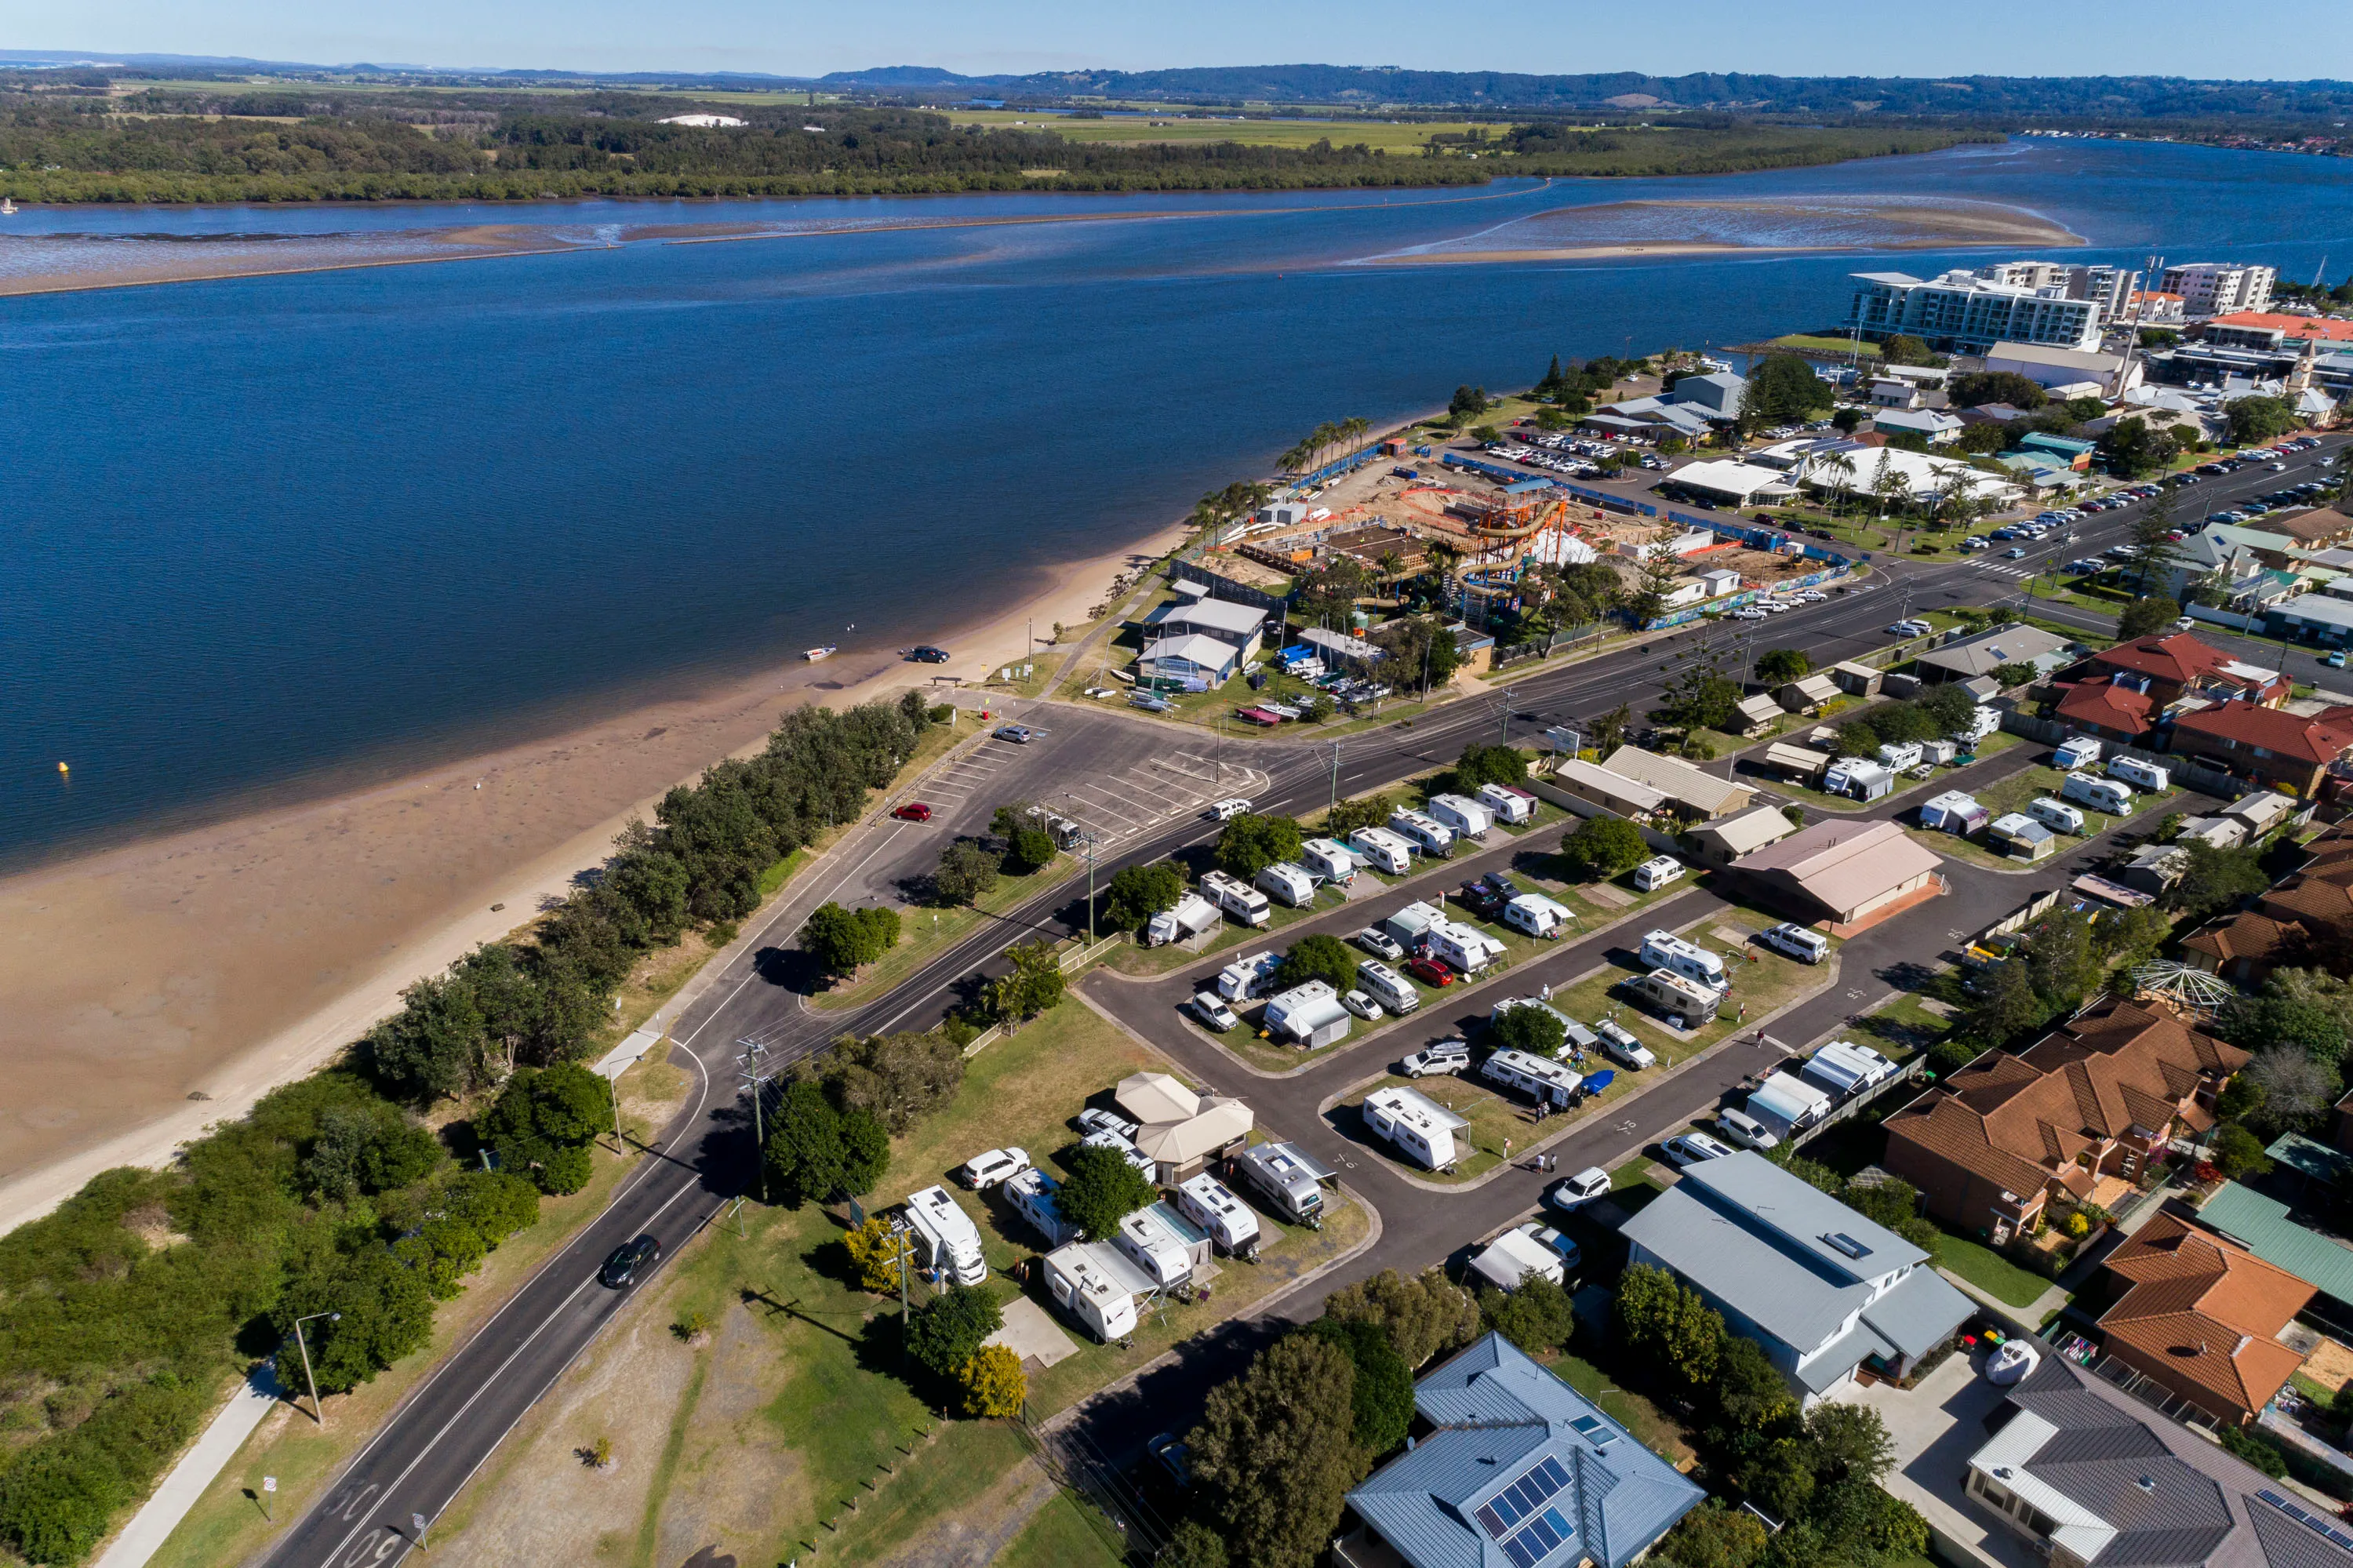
(437, 1440)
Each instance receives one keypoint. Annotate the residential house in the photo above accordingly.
(2267, 1227)
(1843, 871)
(2246, 947)
(2254, 566)
(2108, 711)
(1508, 1465)
(2201, 1317)
(2073, 1118)
(1987, 651)
(2315, 530)
(1809, 693)
(2056, 367)
(1932, 424)
(2076, 454)
(1592, 782)
(1824, 1290)
(2322, 618)
(1727, 838)
(2294, 752)
(1241, 625)
(2178, 665)
(2089, 1475)
(2307, 914)
(1695, 791)
(1193, 656)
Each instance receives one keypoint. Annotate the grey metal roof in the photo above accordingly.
(1920, 1313)
(1499, 1414)
(1770, 1199)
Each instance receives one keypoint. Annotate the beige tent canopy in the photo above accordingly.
(1151, 1097)
(1179, 1143)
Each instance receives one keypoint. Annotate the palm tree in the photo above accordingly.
(1840, 465)
(1391, 567)
(1444, 556)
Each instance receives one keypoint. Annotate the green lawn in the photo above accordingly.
(1651, 1427)
(2012, 793)
(1822, 343)
(1936, 783)
(1063, 1535)
(1989, 1271)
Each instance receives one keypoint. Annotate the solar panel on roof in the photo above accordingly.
(2302, 1516)
(1847, 1244)
(1501, 1513)
(1538, 1538)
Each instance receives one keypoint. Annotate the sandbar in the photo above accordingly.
(1871, 225)
(223, 960)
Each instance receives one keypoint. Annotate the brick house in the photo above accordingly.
(2201, 1317)
(2308, 917)
(2073, 1119)
(2178, 665)
(2294, 752)
(2108, 711)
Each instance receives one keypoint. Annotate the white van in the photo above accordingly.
(1290, 883)
(1210, 1205)
(1653, 874)
(1664, 950)
(1382, 850)
(1419, 828)
(2099, 794)
(1388, 987)
(1329, 859)
(2141, 775)
(1468, 818)
(2080, 752)
(2055, 815)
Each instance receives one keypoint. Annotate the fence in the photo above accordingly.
(1854, 1108)
(1120, 1513)
(2185, 771)
(1226, 587)
(1546, 789)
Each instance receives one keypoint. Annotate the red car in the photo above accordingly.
(1430, 972)
(914, 811)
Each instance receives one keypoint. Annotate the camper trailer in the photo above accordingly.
(1843, 1067)
(1664, 950)
(1854, 777)
(1310, 1015)
(1467, 818)
(1163, 1243)
(1685, 1003)
(1032, 1194)
(1192, 915)
(1244, 903)
(946, 1241)
(1511, 806)
(1939, 752)
(1210, 1205)
(1329, 859)
(1382, 850)
(1097, 1285)
(1541, 1079)
(1287, 1177)
(1421, 829)
(1416, 1124)
(1467, 948)
(2140, 774)
(1786, 1105)
(1955, 812)
(2080, 752)
(1245, 978)
(1537, 915)
(1290, 883)
(2056, 816)
(1388, 987)
(2099, 794)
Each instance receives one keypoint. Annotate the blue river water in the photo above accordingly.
(277, 535)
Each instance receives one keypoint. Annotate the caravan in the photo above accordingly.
(1210, 1205)
(1843, 1067)
(1330, 860)
(1787, 1105)
(1685, 1003)
(1382, 850)
(2099, 794)
(1290, 883)
(2140, 774)
(1466, 947)
(1245, 904)
(1246, 979)
(1544, 1081)
(1163, 1243)
(2057, 817)
(2080, 752)
(1032, 1194)
(1422, 829)
(1192, 915)
(1511, 806)
(945, 1238)
(1388, 987)
(1537, 915)
(1415, 1123)
(1288, 1177)
(1664, 950)
(1310, 1015)
(1467, 818)
(1098, 1286)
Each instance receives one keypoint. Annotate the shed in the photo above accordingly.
(1727, 838)
(1857, 680)
(1704, 793)
(2021, 837)
(1590, 781)
(1797, 761)
(1845, 869)
(1805, 695)
(1759, 713)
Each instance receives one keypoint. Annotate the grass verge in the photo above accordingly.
(1989, 1270)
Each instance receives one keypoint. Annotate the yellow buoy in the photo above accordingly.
(63, 768)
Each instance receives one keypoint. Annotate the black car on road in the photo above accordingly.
(621, 1268)
(927, 654)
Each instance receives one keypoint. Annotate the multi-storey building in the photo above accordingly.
(1970, 312)
(2217, 287)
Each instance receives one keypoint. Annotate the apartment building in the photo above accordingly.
(2217, 287)
(1970, 312)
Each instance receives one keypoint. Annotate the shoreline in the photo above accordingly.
(160, 985)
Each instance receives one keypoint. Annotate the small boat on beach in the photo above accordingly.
(813, 655)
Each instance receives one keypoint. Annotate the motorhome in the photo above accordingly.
(1466, 947)
(1416, 1124)
(1538, 1077)
(1537, 915)
(946, 1241)
(1066, 833)
(1192, 915)
(1098, 1286)
(1247, 978)
(2080, 752)
(1664, 950)
(1329, 859)
(1163, 1243)
(1422, 829)
(1788, 1105)
(1033, 1195)
(1899, 755)
(1212, 1204)
(1310, 1015)
(2099, 794)
(1983, 722)
(1244, 903)
(1289, 1178)
(1657, 872)
(1388, 987)
(2055, 815)
(1843, 1067)
(1468, 818)
(1382, 850)
(1511, 806)
(2140, 774)
(1686, 1003)
(1292, 883)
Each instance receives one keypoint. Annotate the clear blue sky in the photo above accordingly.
(2173, 37)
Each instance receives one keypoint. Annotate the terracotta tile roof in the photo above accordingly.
(2314, 900)
(2204, 1313)
(1942, 1126)
(2328, 328)
(2316, 526)
(2250, 936)
(2321, 737)
(2107, 705)
(2179, 658)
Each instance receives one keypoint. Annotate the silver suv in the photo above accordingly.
(1438, 1057)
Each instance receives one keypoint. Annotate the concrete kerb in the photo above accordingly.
(1575, 1124)
(1261, 1308)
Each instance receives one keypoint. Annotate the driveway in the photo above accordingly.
(1936, 1426)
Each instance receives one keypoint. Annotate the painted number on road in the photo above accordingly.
(373, 1547)
(349, 1505)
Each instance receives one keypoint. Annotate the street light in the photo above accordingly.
(318, 1411)
(1087, 837)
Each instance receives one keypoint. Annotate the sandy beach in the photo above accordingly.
(163, 985)
(1901, 224)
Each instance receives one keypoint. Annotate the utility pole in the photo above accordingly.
(753, 1073)
(1334, 808)
(1087, 837)
(899, 1229)
(318, 1411)
(1507, 737)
